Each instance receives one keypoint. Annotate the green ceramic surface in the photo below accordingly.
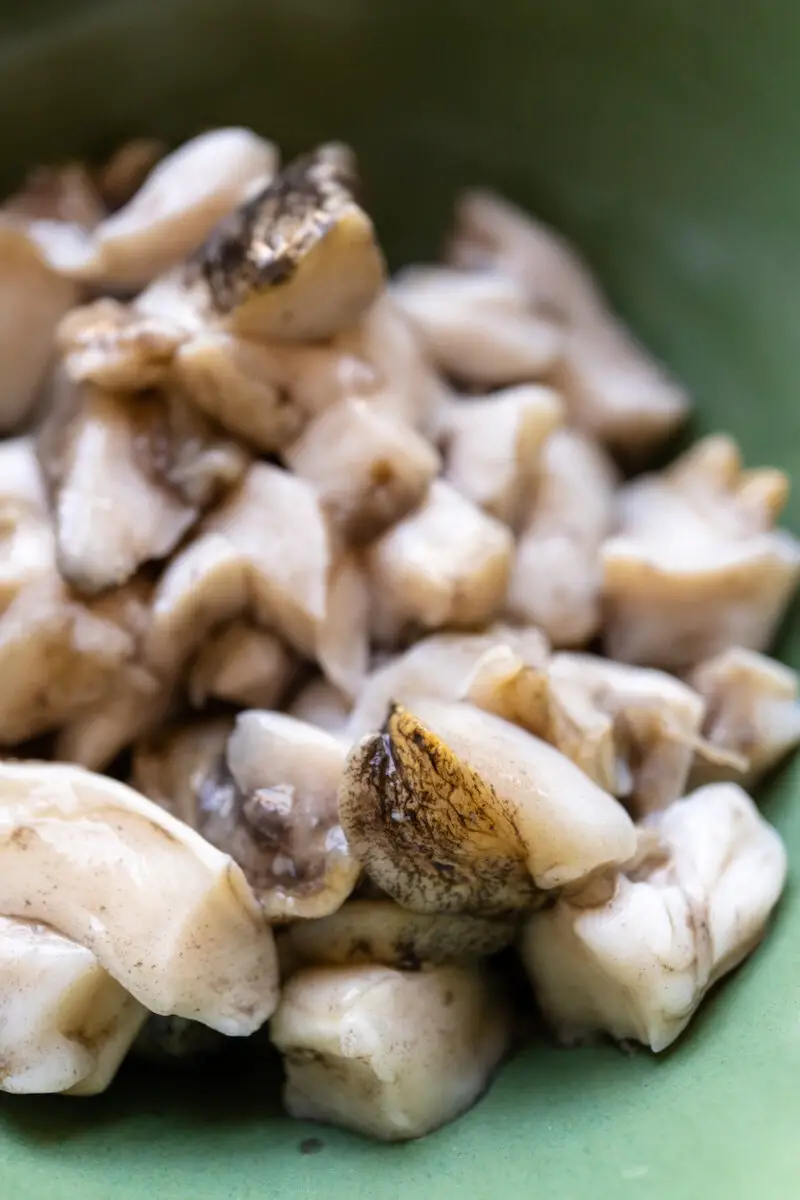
(664, 136)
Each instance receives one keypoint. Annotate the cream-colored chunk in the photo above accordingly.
(492, 446)
(264, 555)
(612, 387)
(451, 809)
(111, 514)
(265, 793)
(697, 565)
(109, 344)
(388, 1053)
(752, 711)
(262, 391)
(171, 765)
(638, 965)
(241, 664)
(655, 724)
(478, 327)
(203, 586)
(320, 703)
(635, 732)
(446, 564)
(289, 840)
(342, 642)
(437, 666)
(56, 656)
(33, 299)
(94, 733)
(266, 552)
(65, 1024)
(177, 206)
(380, 931)
(239, 383)
(368, 468)
(134, 699)
(300, 259)
(404, 382)
(274, 521)
(556, 578)
(129, 476)
(27, 544)
(167, 915)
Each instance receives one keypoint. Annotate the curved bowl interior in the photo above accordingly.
(663, 138)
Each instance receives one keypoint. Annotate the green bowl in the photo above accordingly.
(663, 136)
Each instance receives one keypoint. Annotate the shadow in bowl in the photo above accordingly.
(241, 1087)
